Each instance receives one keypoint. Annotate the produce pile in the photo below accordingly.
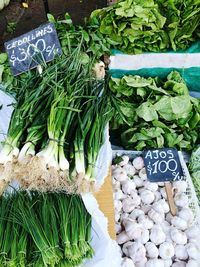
(194, 167)
(43, 230)
(135, 26)
(146, 231)
(152, 113)
(57, 127)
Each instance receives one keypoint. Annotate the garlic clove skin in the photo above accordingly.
(141, 263)
(178, 236)
(146, 208)
(151, 186)
(127, 262)
(123, 217)
(169, 217)
(138, 163)
(164, 205)
(181, 200)
(163, 193)
(192, 263)
(135, 198)
(130, 169)
(147, 196)
(179, 264)
(133, 230)
(137, 252)
(151, 250)
(115, 185)
(179, 223)
(157, 236)
(144, 236)
(187, 215)
(143, 174)
(118, 228)
(119, 195)
(161, 184)
(136, 213)
(117, 217)
(122, 238)
(145, 221)
(128, 186)
(128, 204)
(156, 216)
(193, 251)
(125, 160)
(193, 231)
(157, 196)
(166, 250)
(168, 263)
(155, 263)
(125, 247)
(180, 186)
(138, 181)
(181, 252)
(165, 227)
(118, 206)
(158, 207)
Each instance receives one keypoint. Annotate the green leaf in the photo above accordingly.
(147, 111)
(3, 58)
(1, 72)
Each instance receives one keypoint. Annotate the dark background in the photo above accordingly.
(16, 20)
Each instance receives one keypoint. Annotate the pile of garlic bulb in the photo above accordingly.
(149, 236)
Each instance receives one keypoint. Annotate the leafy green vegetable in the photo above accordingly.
(150, 113)
(135, 26)
(194, 167)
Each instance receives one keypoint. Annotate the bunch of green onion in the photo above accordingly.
(57, 127)
(43, 229)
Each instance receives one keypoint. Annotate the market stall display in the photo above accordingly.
(146, 230)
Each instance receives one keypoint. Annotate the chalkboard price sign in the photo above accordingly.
(33, 48)
(163, 165)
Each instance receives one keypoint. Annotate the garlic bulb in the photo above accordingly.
(151, 186)
(127, 262)
(195, 240)
(122, 238)
(141, 263)
(145, 221)
(128, 186)
(123, 217)
(119, 174)
(193, 263)
(193, 251)
(166, 251)
(168, 263)
(117, 217)
(118, 228)
(125, 160)
(179, 223)
(155, 263)
(193, 231)
(178, 236)
(137, 252)
(128, 204)
(144, 236)
(161, 184)
(151, 250)
(143, 174)
(145, 208)
(169, 217)
(147, 196)
(181, 252)
(138, 181)
(133, 230)
(125, 247)
(136, 198)
(165, 227)
(180, 186)
(156, 216)
(138, 163)
(163, 193)
(157, 196)
(136, 213)
(187, 215)
(130, 170)
(157, 236)
(165, 205)
(179, 264)
(181, 200)
(158, 207)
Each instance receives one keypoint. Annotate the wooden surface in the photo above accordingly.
(105, 200)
